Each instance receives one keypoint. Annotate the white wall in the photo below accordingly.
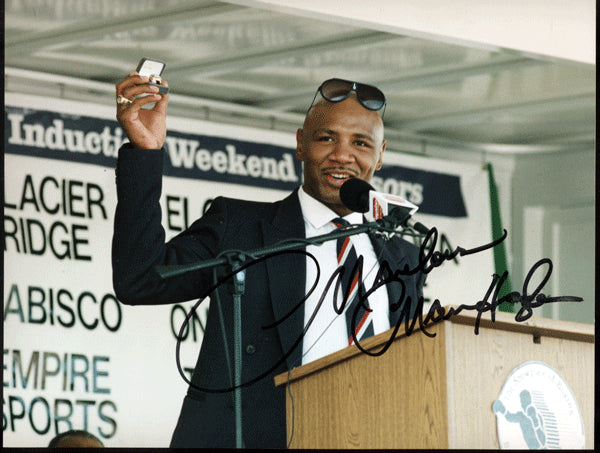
(547, 203)
(553, 210)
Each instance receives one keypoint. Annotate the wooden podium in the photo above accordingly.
(432, 392)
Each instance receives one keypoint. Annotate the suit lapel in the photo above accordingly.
(286, 275)
(391, 253)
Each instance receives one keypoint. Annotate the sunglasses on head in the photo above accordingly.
(336, 90)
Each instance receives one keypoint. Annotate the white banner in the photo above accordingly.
(454, 199)
(74, 357)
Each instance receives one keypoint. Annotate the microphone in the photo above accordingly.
(360, 196)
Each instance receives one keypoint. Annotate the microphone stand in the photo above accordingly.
(237, 258)
(389, 222)
(239, 284)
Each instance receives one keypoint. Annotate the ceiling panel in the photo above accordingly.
(240, 56)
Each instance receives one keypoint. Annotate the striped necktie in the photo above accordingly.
(357, 316)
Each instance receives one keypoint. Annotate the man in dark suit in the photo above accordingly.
(342, 138)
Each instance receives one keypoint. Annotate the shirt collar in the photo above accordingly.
(318, 215)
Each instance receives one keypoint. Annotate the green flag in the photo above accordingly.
(500, 262)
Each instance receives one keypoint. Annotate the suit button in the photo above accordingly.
(250, 349)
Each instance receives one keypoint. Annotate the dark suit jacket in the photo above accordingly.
(274, 291)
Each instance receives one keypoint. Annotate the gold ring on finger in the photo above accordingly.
(122, 100)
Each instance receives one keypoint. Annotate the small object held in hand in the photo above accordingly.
(155, 81)
(122, 100)
(152, 69)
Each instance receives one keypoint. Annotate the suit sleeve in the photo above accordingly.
(138, 244)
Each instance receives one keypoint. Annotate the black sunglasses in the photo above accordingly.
(336, 90)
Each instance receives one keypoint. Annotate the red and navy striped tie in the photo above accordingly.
(358, 313)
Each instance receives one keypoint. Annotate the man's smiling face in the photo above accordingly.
(338, 141)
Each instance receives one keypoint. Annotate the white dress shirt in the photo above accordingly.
(327, 333)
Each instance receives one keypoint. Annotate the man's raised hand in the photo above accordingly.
(145, 128)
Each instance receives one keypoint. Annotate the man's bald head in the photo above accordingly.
(338, 141)
(75, 439)
(322, 107)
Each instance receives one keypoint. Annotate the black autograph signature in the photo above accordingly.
(410, 311)
(489, 303)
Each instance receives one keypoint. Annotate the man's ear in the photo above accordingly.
(299, 153)
(380, 161)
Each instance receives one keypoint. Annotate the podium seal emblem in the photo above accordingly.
(536, 410)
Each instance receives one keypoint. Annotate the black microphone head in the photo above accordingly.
(354, 193)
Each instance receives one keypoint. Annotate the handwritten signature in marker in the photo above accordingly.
(411, 311)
